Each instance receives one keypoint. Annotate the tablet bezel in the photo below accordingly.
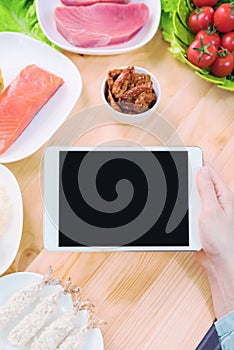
(51, 199)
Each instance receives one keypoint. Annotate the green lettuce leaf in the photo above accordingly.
(169, 6)
(20, 16)
(166, 24)
(167, 27)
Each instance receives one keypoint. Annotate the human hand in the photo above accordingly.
(217, 238)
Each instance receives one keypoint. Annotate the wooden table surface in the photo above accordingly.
(149, 300)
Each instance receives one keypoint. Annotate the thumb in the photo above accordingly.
(223, 194)
(201, 258)
(206, 189)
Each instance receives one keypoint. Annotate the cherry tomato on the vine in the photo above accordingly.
(200, 3)
(201, 53)
(228, 41)
(201, 18)
(223, 64)
(209, 35)
(224, 18)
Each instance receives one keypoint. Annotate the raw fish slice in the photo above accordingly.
(100, 24)
(91, 2)
(22, 99)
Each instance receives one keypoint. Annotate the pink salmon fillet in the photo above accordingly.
(22, 99)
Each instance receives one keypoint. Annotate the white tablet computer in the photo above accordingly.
(121, 198)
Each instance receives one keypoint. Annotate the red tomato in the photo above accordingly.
(201, 18)
(228, 41)
(202, 53)
(200, 3)
(224, 63)
(211, 36)
(224, 18)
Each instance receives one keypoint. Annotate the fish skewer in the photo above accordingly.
(75, 339)
(25, 297)
(33, 322)
(38, 330)
(57, 331)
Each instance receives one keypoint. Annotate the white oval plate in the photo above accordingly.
(45, 10)
(18, 51)
(10, 240)
(14, 282)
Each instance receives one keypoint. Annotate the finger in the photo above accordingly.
(223, 193)
(203, 260)
(206, 189)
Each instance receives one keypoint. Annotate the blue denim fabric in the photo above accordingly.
(225, 330)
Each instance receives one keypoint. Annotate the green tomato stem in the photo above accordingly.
(223, 52)
(203, 49)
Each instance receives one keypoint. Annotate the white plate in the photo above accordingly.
(45, 10)
(18, 51)
(9, 242)
(14, 282)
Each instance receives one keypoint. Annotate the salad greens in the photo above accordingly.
(20, 16)
(176, 31)
(168, 9)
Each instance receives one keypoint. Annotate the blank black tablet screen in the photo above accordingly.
(123, 198)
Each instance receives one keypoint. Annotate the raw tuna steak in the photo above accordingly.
(22, 99)
(91, 2)
(101, 24)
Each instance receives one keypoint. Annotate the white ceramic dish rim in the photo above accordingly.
(132, 45)
(19, 207)
(15, 153)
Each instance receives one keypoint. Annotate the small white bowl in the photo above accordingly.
(138, 117)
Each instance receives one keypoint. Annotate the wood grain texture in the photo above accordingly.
(150, 300)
